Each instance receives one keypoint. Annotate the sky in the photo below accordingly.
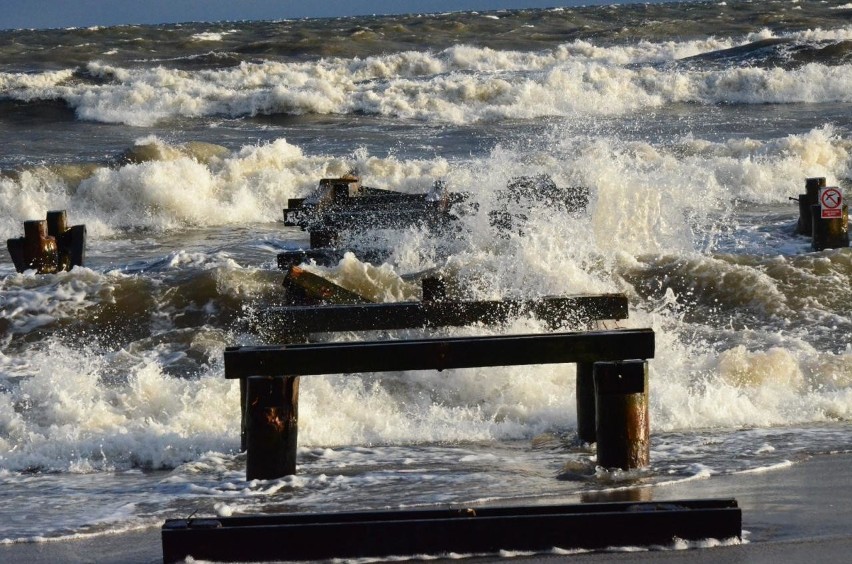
(85, 13)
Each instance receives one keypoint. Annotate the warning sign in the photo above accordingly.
(831, 202)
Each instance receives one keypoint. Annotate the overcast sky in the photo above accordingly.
(85, 13)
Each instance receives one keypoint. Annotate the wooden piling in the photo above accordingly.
(830, 233)
(272, 419)
(806, 200)
(271, 392)
(621, 404)
(49, 246)
(585, 388)
(555, 311)
(72, 246)
(243, 388)
(57, 223)
(57, 227)
(40, 250)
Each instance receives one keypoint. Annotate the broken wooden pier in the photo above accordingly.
(340, 204)
(289, 362)
(350, 312)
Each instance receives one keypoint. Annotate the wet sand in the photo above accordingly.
(801, 513)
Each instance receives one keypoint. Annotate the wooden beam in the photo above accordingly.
(477, 530)
(438, 354)
(316, 287)
(554, 310)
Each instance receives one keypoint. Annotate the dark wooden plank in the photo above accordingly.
(438, 354)
(555, 310)
(317, 288)
(466, 531)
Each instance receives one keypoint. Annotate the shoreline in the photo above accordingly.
(796, 513)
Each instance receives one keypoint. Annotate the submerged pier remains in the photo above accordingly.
(49, 246)
(823, 214)
(276, 428)
(343, 203)
(293, 326)
(611, 395)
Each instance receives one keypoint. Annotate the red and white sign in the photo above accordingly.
(831, 202)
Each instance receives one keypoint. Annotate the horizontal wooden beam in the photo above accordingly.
(438, 354)
(477, 530)
(554, 310)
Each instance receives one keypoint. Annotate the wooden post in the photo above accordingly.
(272, 420)
(586, 402)
(622, 428)
(830, 233)
(57, 226)
(49, 246)
(73, 246)
(40, 250)
(811, 197)
(57, 223)
(243, 386)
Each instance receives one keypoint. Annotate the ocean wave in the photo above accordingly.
(464, 84)
(136, 188)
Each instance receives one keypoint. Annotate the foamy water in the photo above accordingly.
(462, 84)
(111, 376)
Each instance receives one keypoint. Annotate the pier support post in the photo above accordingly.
(810, 198)
(243, 388)
(272, 420)
(57, 227)
(830, 233)
(586, 402)
(57, 223)
(49, 246)
(622, 427)
(40, 250)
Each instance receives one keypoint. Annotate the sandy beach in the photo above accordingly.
(799, 513)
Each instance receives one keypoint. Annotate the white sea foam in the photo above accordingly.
(761, 470)
(176, 190)
(210, 36)
(68, 418)
(461, 84)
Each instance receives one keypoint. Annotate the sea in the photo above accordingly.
(692, 125)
